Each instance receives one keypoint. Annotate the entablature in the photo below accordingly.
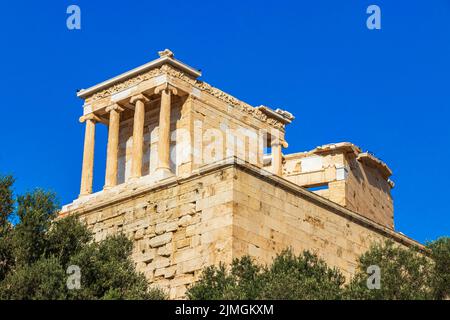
(167, 70)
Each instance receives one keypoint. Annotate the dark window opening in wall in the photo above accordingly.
(267, 144)
(317, 187)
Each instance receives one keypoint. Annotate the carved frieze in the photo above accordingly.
(201, 85)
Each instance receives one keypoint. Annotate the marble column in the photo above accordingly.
(166, 91)
(87, 171)
(277, 157)
(138, 135)
(113, 145)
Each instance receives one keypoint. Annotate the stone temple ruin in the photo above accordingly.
(196, 177)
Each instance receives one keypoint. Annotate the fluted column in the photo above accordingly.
(87, 171)
(277, 157)
(113, 145)
(166, 91)
(138, 135)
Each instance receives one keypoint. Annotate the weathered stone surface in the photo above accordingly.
(161, 262)
(165, 251)
(160, 240)
(348, 176)
(172, 226)
(185, 220)
(224, 230)
(160, 228)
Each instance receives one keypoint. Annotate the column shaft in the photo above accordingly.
(113, 148)
(164, 131)
(138, 139)
(277, 161)
(87, 172)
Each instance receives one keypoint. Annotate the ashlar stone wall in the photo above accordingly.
(178, 227)
(268, 217)
(221, 212)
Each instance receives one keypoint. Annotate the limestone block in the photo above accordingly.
(191, 230)
(195, 240)
(214, 200)
(170, 272)
(150, 231)
(161, 262)
(172, 226)
(165, 251)
(148, 256)
(160, 228)
(187, 208)
(185, 254)
(183, 243)
(139, 234)
(185, 220)
(141, 245)
(140, 266)
(149, 275)
(160, 240)
(182, 279)
(178, 292)
(190, 265)
(180, 234)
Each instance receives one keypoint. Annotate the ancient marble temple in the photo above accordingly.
(196, 177)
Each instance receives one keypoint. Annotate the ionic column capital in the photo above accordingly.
(138, 97)
(166, 87)
(90, 116)
(114, 107)
(277, 141)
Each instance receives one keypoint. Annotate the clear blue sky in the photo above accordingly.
(387, 91)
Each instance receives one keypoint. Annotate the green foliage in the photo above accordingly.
(440, 275)
(36, 253)
(242, 282)
(288, 277)
(405, 274)
(35, 211)
(108, 273)
(6, 209)
(42, 280)
(66, 238)
(303, 277)
(215, 284)
(6, 201)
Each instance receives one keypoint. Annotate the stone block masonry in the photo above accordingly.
(221, 212)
